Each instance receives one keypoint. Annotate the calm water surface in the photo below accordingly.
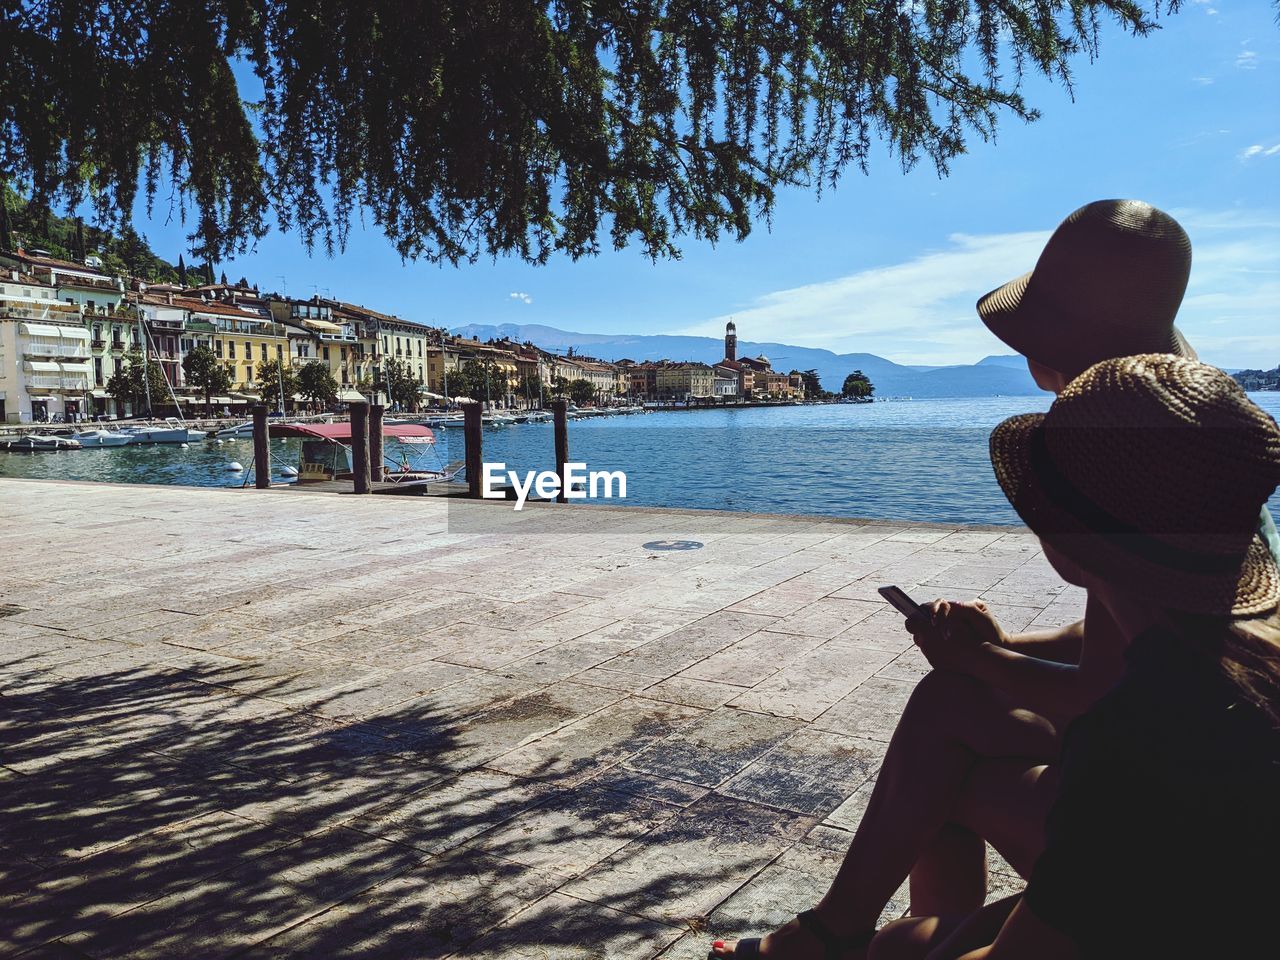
(904, 460)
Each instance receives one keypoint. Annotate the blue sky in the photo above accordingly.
(1187, 118)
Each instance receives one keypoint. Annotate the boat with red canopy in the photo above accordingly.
(326, 452)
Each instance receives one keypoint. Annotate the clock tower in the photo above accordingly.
(730, 341)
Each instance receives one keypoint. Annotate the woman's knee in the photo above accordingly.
(940, 694)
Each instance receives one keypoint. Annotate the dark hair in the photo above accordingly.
(1246, 648)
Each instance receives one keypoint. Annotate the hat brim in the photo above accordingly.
(1252, 589)
(1007, 314)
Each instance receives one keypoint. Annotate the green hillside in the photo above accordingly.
(70, 239)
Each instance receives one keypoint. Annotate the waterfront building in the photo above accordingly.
(644, 380)
(725, 384)
(380, 337)
(756, 376)
(234, 322)
(97, 295)
(319, 332)
(45, 368)
(685, 382)
(599, 373)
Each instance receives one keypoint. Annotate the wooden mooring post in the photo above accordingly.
(360, 447)
(472, 436)
(560, 415)
(376, 471)
(261, 448)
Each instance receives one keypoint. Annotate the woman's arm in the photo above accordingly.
(1060, 644)
(965, 638)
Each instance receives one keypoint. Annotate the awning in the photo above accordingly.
(222, 400)
(351, 396)
(427, 393)
(101, 394)
(81, 369)
(324, 326)
(341, 432)
(40, 366)
(48, 330)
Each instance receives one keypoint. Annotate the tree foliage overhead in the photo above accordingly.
(507, 127)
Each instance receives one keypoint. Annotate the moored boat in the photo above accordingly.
(37, 443)
(151, 434)
(101, 438)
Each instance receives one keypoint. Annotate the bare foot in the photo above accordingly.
(791, 942)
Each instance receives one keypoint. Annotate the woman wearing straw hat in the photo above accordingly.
(962, 766)
(1144, 482)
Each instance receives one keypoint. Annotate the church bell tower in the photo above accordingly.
(730, 341)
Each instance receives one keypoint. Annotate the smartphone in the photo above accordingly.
(901, 602)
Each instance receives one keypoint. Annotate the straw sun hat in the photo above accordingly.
(1108, 284)
(1151, 472)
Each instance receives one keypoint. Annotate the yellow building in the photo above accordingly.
(685, 381)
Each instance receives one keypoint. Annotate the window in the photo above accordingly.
(231, 349)
(419, 348)
(97, 371)
(326, 352)
(248, 351)
(386, 343)
(262, 352)
(217, 349)
(279, 353)
(342, 354)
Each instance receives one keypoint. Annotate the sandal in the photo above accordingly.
(833, 946)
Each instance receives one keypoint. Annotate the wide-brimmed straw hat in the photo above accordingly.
(1108, 284)
(1151, 472)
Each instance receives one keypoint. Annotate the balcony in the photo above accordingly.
(97, 344)
(49, 381)
(52, 313)
(74, 351)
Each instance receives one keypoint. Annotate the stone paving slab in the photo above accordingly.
(271, 724)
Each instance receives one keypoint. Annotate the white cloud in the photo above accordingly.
(1258, 150)
(520, 297)
(1247, 60)
(1203, 81)
(922, 311)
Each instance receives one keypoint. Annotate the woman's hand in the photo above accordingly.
(951, 634)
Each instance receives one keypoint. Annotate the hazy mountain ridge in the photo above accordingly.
(992, 376)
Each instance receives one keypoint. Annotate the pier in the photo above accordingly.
(253, 723)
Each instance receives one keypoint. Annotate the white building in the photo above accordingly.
(45, 369)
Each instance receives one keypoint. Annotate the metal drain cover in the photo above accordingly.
(673, 545)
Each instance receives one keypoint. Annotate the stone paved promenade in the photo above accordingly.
(282, 724)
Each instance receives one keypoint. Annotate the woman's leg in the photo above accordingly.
(941, 938)
(950, 724)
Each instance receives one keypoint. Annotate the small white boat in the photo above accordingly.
(156, 434)
(102, 438)
(35, 443)
(239, 430)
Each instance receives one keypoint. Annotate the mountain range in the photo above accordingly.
(991, 376)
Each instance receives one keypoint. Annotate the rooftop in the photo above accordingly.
(294, 724)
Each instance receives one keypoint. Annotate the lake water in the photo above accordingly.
(901, 460)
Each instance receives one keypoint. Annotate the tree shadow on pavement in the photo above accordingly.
(160, 812)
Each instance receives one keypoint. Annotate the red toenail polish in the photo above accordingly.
(718, 945)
